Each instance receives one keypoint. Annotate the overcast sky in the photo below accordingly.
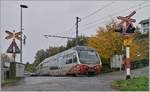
(58, 18)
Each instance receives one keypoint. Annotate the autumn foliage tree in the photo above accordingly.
(107, 42)
(143, 46)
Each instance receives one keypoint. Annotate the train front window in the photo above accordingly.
(88, 57)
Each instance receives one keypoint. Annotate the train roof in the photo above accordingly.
(78, 48)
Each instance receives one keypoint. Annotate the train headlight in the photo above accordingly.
(84, 66)
(95, 67)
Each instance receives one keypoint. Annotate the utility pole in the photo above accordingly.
(77, 32)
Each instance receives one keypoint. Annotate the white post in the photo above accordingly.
(127, 52)
(127, 63)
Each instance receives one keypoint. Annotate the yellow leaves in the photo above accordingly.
(133, 51)
(107, 42)
(142, 49)
(127, 41)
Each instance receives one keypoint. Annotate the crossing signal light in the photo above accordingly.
(130, 29)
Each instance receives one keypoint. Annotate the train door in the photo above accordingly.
(68, 63)
(60, 65)
(55, 68)
(74, 59)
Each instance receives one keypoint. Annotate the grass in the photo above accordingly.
(134, 84)
(9, 82)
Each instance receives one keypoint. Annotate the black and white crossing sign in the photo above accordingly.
(13, 48)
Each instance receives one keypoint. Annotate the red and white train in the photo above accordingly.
(79, 60)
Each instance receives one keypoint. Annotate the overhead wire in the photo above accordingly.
(105, 6)
(113, 14)
(85, 17)
(62, 33)
(69, 30)
(136, 9)
(89, 27)
(104, 18)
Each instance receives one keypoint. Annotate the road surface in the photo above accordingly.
(97, 83)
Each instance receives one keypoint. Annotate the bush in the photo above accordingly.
(135, 64)
(106, 68)
(140, 63)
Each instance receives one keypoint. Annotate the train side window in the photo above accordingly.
(53, 68)
(55, 60)
(69, 61)
(74, 59)
(60, 59)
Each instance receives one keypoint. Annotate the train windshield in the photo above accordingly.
(88, 57)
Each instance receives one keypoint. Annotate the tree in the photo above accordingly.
(108, 42)
(30, 67)
(53, 50)
(72, 43)
(27, 66)
(142, 40)
(40, 56)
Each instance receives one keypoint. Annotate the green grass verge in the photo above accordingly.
(134, 84)
(10, 82)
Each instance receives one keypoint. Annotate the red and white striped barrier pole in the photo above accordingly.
(128, 63)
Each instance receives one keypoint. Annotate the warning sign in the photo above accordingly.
(13, 48)
(127, 41)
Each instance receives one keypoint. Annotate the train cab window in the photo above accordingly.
(74, 59)
(69, 61)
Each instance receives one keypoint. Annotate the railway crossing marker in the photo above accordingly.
(13, 35)
(126, 23)
(13, 48)
(127, 29)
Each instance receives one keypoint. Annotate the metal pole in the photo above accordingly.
(77, 33)
(128, 63)
(14, 54)
(76, 30)
(21, 36)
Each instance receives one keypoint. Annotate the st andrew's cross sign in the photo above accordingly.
(13, 48)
